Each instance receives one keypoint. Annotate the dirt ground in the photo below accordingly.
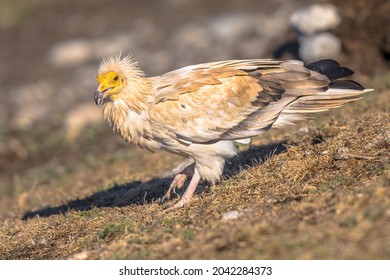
(319, 190)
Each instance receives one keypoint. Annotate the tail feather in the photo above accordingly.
(346, 84)
(332, 98)
(339, 92)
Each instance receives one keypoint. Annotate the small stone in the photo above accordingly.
(79, 256)
(341, 154)
(232, 215)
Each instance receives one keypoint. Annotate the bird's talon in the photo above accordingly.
(177, 183)
(164, 199)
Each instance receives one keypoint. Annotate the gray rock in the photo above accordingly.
(232, 26)
(76, 52)
(30, 104)
(70, 53)
(319, 46)
(191, 38)
(315, 18)
(112, 45)
(79, 118)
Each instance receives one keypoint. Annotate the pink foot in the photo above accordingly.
(178, 181)
(186, 198)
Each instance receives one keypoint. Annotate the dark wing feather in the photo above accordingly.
(330, 68)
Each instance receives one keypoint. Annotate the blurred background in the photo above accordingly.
(50, 51)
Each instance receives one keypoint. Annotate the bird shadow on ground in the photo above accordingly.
(145, 192)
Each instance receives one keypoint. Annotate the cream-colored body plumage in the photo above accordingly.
(198, 111)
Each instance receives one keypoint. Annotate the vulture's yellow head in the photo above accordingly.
(115, 73)
(110, 84)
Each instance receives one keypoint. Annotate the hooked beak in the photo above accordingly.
(99, 96)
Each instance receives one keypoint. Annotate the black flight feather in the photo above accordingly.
(330, 68)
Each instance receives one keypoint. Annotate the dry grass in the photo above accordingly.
(323, 192)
